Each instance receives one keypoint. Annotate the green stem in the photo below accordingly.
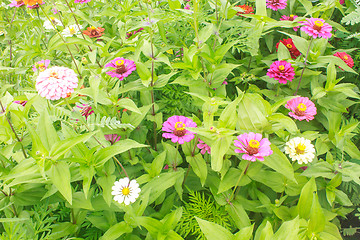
(238, 181)
(176, 153)
(305, 63)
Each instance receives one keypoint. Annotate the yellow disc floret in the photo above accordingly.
(345, 57)
(300, 149)
(254, 143)
(179, 126)
(319, 23)
(289, 45)
(119, 62)
(301, 107)
(125, 191)
(281, 67)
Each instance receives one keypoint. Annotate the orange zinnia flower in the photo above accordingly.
(32, 2)
(94, 32)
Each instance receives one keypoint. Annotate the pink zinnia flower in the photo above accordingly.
(341, 2)
(16, 3)
(174, 128)
(316, 27)
(82, 1)
(301, 108)
(253, 145)
(281, 71)
(41, 65)
(123, 68)
(85, 110)
(290, 18)
(112, 138)
(346, 58)
(54, 83)
(187, 7)
(204, 147)
(276, 4)
(21, 102)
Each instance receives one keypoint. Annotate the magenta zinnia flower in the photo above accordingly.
(112, 138)
(85, 110)
(346, 58)
(301, 108)
(41, 65)
(174, 128)
(276, 4)
(253, 145)
(316, 27)
(56, 82)
(82, 1)
(123, 68)
(16, 3)
(290, 18)
(21, 102)
(281, 71)
(204, 147)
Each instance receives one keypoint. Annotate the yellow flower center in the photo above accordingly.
(291, 15)
(72, 31)
(254, 144)
(300, 149)
(179, 126)
(289, 45)
(346, 57)
(93, 28)
(319, 23)
(125, 191)
(42, 67)
(54, 75)
(281, 67)
(301, 107)
(119, 62)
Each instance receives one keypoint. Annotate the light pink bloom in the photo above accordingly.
(253, 145)
(112, 138)
(301, 108)
(290, 18)
(41, 65)
(187, 7)
(54, 11)
(16, 3)
(276, 4)
(174, 128)
(204, 147)
(56, 82)
(82, 1)
(316, 27)
(123, 68)
(85, 110)
(281, 71)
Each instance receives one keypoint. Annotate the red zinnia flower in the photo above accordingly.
(346, 58)
(94, 32)
(246, 9)
(294, 52)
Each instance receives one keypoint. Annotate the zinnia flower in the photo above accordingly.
(37, 5)
(82, 1)
(32, 2)
(204, 147)
(246, 9)
(300, 149)
(276, 4)
(316, 27)
(174, 128)
(346, 58)
(253, 145)
(112, 138)
(187, 7)
(294, 52)
(71, 30)
(301, 108)
(16, 3)
(281, 71)
(54, 21)
(94, 32)
(290, 18)
(21, 102)
(123, 68)
(85, 110)
(41, 65)
(125, 191)
(54, 83)
(130, 34)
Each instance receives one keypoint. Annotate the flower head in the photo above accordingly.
(276, 4)
(301, 108)
(94, 32)
(174, 128)
(16, 3)
(49, 25)
(123, 68)
(130, 34)
(290, 18)
(21, 102)
(54, 83)
(316, 27)
(253, 145)
(32, 2)
(35, 6)
(281, 71)
(245, 9)
(187, 7)
(294, 52)
(204, 147)
(82, 1)
(125, 191)
(41, 65)
(71, 30)
(112, 138)
(85, 110)
(54, 11)
(346, 58)
(300, 149)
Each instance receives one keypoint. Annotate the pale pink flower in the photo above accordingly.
(41, 65)
(174, 128)
(253, 146)
(187, 7)
(56, 82)
(290, 18)
(123, 68)
(112, 138)
(316, 27)
(302, 108)
(276, 4)
(16, 3)
(204, 147)
(281, 71)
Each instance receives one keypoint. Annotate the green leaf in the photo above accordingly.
(301, 44)
(264, 231)
(306, 199)
(213, 231)
(106, 183)
(128, 104)
(331, 77)
(60, 177)
(116, 231)
(199, 166)
(238, 214)
(279, 121)
(144, 73)
(283, 52)
(218, 150)
(157, 164)
(244, 233)
(228, 116)
(317, 218)
(47, 131)
(288, 230)
(63, 229)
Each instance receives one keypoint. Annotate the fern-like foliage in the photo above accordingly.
(352, 18)
(96, 120)
(205, 208)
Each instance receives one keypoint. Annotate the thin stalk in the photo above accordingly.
(10, 42)
(238, 181)
(189, 166)
(177, 151)
(305, 64)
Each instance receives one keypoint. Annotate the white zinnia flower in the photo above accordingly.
(49, 26)
(300, 149)
(70, 31)
(125, 191)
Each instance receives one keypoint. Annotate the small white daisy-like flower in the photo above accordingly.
(70, 31)
(49, 26)
(2, 32)
(125, 191)
(300, 149)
